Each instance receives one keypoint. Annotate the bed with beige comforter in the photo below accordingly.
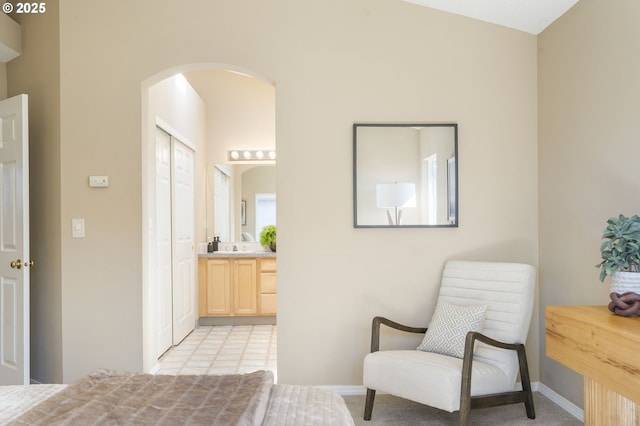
(109, 397)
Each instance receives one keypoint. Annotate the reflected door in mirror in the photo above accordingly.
(405, 175)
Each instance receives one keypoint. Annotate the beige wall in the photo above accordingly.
(3, 81)
(589, 149)
(333, 63)
(345, 62)
(37, 73)
(241, 111)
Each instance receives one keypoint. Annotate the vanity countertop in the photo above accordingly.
(238, 253)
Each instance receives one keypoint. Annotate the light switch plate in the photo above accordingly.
(98, 181)
(77, 228)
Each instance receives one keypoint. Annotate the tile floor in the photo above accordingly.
(223, 350)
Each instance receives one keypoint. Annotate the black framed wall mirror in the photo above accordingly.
(405, 175)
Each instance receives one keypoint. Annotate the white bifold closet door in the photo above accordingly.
(175, 177)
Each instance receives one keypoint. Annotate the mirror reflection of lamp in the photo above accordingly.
(397, 196)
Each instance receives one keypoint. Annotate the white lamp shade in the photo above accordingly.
(395, 195)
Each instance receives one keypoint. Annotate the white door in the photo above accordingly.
(14, 242)
(183, 178)
(221, 204)
(163, 289)
(175, 212)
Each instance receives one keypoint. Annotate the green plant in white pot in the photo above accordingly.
(268, 237)
(621, 253)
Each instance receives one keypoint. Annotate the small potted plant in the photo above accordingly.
(621, 259)
(621, 250)
(268, 237)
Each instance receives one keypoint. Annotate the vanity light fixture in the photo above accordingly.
(252, 155)
(397, 196)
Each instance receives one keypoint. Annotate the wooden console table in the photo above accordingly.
(605, 349)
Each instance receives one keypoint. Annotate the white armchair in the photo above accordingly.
(473, 349)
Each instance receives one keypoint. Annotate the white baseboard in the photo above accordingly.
(155, 369)
(556, 398)
(561, 401)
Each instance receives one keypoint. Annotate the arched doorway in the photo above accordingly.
(209, 147)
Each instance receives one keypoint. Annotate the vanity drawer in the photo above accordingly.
(268, 304)
(268, 282)
(268, 265)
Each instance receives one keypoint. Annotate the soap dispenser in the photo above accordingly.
(215, 243)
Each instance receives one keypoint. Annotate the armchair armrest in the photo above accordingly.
(472, 336)
(469, 345)
(375, 330)
(467, 401)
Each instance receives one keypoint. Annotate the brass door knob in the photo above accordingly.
(17, 264)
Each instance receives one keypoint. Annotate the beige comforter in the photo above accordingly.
(113, 398)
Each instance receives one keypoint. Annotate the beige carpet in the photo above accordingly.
(390, 410)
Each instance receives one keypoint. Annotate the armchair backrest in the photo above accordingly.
(509, 291)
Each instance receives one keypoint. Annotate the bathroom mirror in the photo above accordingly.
(405, 175)
(233, 192)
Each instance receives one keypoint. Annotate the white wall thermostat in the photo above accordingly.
(98, 181)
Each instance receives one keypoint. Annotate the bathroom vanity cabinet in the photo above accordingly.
(237, 286)
(267, 281)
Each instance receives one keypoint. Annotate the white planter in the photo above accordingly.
(622, 282)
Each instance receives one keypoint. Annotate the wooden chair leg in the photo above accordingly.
(528, 404)
(465, 410)
(465, 388)
(368, 406)
(526, 384)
